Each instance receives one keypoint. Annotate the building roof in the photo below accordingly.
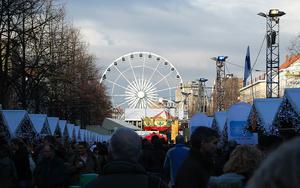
(289, 61)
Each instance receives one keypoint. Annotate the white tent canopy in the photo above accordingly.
(63, 129)
(199, 119)
(82, 135)
(53, 124)
(112, 124)
(293, 95)
(40, 123)
(266, 111)
(3, 127)
(220, 120)
(77, 132)
(236, 124)
(209, 121)
(18, 123)
(70, 129)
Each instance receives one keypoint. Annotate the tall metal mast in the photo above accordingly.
(220, 92)
(272, 52)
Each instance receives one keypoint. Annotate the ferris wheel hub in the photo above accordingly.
(141, 94)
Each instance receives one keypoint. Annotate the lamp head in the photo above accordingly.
(222, 58)
(276, 13)
(203, 79)
(262, 14)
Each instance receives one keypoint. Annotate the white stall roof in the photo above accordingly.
(210, 121)
(111, 124)
(293, 95)
(13, 119)
(267, 110)
(53, 123)
(70, 128)
(62, 125)
(38, 121)
(221, 118)
(239, 112)
(82, 134)
(199, 119)
(77, 129)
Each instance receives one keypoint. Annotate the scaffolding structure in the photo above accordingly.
(220, 91)
(272, 52)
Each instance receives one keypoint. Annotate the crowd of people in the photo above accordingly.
(130, 161)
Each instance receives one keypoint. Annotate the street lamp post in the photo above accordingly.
(272, 52)
(185, 108)
(202, 95)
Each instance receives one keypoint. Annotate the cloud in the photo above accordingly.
(187, 32)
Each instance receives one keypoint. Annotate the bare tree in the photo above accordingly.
(294, 47)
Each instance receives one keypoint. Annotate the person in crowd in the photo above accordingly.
(123, 170)
(280, 169)
(20, 156)
(153, 157)
(174, 158)
(242, 163)
(268, 143)
(83, 162)
(50, 172)
(101, 154)
(48, 139)
(222, 155)
(198, 166)
(8, 172)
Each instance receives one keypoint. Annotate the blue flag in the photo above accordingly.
(247, 70)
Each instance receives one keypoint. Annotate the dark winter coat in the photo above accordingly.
(8, 173)
(227, 180)
(21, 160)
(78, 167)
(50, 174)
(194, 171)
(118, 174)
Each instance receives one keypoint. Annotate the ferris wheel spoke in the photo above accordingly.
(161, 79)
(170, 88)
(131, 103)
(150, 89)
(156, 68)
(133, 88)
(121, 104)
(144, 61)
(114, 83)
(152, 102)
(119, 95)
(132, 70)
(121, 73)
(135, 103)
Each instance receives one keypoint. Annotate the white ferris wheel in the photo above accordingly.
(140, 80)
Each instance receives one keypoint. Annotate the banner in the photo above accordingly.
(174, 130)
(237, 132)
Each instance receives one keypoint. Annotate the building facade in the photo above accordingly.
(232, 85)
(289, 77)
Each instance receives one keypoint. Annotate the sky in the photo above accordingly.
(188, 33)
